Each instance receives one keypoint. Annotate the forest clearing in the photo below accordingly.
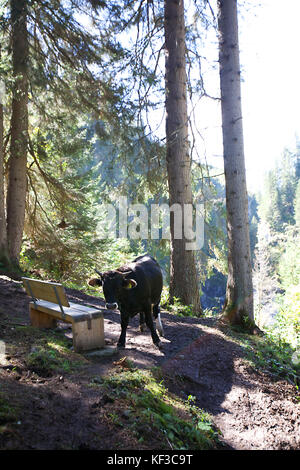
(55, 406)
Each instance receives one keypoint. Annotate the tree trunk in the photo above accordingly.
(239, 296)
(17, 184)
(183, 274)
(3, 236)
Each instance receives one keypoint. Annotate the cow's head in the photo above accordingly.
(113, 282)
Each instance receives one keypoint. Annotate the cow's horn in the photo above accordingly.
(98, 272)
(125, 273)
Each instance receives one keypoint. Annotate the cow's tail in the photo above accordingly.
(159, 325)
(156, 313)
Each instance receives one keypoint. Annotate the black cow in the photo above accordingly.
(134, 288)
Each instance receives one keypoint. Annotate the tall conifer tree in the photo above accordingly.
(3, 234)
(17, 184)
(183, 274)
(239, 294)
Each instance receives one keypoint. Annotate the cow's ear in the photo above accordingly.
(95, 282)
(129, 283)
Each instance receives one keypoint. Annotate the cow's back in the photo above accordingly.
(149, 275)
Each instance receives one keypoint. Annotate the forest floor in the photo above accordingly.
(61, 410)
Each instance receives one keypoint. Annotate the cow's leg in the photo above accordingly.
(156, 314)
(149, 323)
(124, 324)
(142, 322)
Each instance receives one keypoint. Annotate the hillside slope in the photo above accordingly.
(55, 406)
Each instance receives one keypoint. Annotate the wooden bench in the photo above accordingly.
(50, 303)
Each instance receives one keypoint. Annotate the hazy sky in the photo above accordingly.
(269, 42)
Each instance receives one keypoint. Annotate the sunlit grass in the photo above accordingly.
(153, 411)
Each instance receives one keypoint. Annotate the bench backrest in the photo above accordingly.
(44, 290)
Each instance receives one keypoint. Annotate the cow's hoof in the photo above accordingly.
(159, 345)
(121, 346)
(142, 328)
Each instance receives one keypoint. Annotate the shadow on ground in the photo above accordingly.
(197, 358)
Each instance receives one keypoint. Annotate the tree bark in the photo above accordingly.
(3, 234)
(239, 296)
(183, 275)
(17, 184)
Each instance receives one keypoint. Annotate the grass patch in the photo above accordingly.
(45, 361)
(274, 358)
(50, 359)
(153, 414)
(269, 355)
(49, 351)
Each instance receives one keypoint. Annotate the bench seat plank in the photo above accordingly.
(74, 313)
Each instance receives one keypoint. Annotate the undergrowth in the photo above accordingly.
(153, 413)
(270, 355)
(273, 357)
(49, 351)
(175, 306)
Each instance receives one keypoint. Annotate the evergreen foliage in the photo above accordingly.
(94, 71)
(279, 245)
(297, 204)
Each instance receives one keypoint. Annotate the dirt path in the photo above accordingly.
(252, 411)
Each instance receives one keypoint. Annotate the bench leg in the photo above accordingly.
(40, 319)
(88, 334)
